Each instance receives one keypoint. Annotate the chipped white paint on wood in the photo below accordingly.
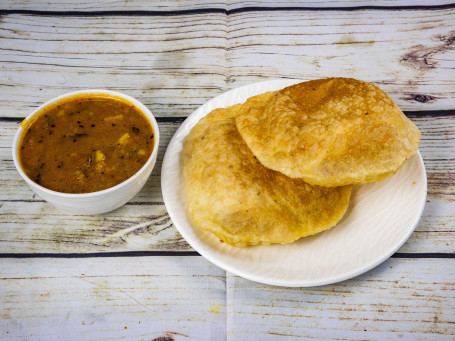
(402, 299)
(37, 227)
(111, 5)
(181, 298)
(187, 298)
(12, 187)
(30, 225)
(403, 52)
(145, 5)
(174, 64)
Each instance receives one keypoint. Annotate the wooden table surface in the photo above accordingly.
(128, 274)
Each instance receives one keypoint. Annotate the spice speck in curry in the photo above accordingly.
(85, 143)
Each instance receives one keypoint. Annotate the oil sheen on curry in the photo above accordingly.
(85, 143)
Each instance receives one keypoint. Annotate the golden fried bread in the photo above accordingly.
(329, 132)
(231, 194)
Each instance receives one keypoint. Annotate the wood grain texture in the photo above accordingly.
(187, 298)
(176, 63)
(145, 298)
(111, 5)
(14, 189)
(31, 225)
(182, 5)
(161, 60)
(399, 300)
(403, 52)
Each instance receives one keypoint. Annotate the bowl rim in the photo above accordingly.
(147, 112)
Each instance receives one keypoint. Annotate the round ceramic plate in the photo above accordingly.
(380, 218)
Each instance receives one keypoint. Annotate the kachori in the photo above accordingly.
(329, 132)
(231, 194)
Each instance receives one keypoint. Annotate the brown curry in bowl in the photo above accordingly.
(85, 143)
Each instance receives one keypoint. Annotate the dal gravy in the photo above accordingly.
(85, 143)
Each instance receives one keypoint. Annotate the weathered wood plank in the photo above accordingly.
(188, 298)
(236, 4)
(182, 5)
(13, 188)
(112, 5)
(30, 225)
(437, 147)
(37, 227)
(175, 63)
(25, 229)
(175, 298)
(409, 54)
(402, 299)
(172, 64)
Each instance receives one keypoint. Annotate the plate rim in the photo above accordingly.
(266, 279)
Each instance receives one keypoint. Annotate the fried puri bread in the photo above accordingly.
(231, 194)
(329, 132)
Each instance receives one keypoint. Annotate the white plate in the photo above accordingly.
(380, 218)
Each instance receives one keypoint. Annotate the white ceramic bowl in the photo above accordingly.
(101, 201)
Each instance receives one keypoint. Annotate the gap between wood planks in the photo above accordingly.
(178, 119)
(173, 119)
(221, 10)
(178, 253)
